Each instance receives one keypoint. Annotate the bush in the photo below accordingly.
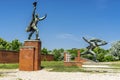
(73, 56)
(100, 57)
(108, 58)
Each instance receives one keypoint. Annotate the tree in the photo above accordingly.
(15, 45)
(44, 51)
(73, 53)
(108, 57)
(115, 49)
(100, 52)
(61, 51)
(4, 45)
(58, 54)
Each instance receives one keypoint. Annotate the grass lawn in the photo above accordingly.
(9, 66)
(115, 64)
(58, 66)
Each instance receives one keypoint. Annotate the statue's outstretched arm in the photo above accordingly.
(102, 43)
(42, 18)
(86, 40)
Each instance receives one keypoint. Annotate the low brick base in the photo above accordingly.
(77, 59)
(79, 64)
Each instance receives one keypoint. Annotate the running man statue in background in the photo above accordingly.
(33, 24)
(93, 43)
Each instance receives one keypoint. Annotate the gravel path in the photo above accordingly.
(45, 75)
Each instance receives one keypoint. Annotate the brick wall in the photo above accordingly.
(9, 56)
(47, 57)
(13, 57)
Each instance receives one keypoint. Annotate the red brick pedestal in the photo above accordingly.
(78, 56)
(29, 58)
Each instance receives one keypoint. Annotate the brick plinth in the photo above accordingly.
(29, 59)
(78, 56)
(65, 56)
(78, 59)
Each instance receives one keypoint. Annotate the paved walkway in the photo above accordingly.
(45, 75)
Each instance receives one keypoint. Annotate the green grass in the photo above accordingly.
(58, 66)
(9, 66)
(0, 75)
(115, 65)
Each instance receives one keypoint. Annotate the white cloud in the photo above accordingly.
(69, 36)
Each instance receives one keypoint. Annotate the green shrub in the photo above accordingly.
(100, 57)
(108, 58)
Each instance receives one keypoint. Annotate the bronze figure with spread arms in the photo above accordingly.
(33, 24)
(93, 43)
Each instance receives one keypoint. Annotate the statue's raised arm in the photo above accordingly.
(86, 40)
(34, 4)
(33, 13)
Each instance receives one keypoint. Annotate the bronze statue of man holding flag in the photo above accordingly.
(33, 24)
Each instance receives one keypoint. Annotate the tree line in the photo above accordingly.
(103, 55)
(112, 54)
(14, 45)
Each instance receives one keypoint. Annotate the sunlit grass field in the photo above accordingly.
(9, 66)
(57, 66)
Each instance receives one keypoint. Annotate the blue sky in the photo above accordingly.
(67, 21)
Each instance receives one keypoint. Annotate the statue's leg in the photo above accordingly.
(37, 32)
(94, 55)
(37, 35)
(30, 35)
(85, 52)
